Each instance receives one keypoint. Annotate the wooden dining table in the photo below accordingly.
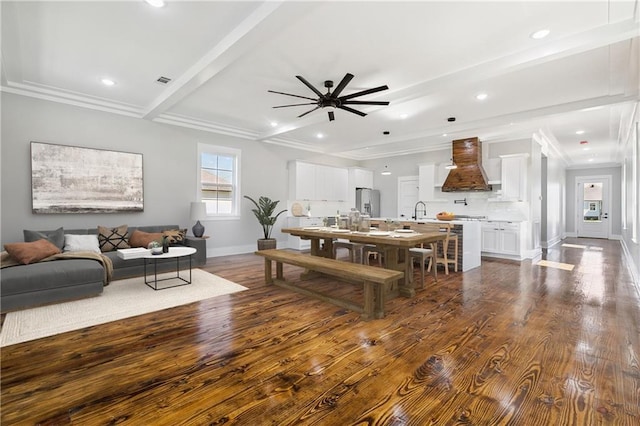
(394, 244)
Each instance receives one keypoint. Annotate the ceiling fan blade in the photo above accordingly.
(306, 83)
(289, 94)
(331, 116)
(364, 92)
(365, 103)
(340, 87)
(290, 105)
(305, 113)
(346, 108)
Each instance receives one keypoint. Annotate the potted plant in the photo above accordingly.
(264, 213)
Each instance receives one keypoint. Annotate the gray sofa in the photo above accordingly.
(25, 286)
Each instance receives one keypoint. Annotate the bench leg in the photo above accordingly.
(268, 279)
(370, 300)
(279, 273)
(380, 300)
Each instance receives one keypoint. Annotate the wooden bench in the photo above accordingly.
(376, 280)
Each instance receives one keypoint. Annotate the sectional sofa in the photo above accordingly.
(66, 278)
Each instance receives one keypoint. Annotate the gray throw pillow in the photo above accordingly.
(56, 237)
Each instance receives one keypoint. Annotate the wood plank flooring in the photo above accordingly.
(503, 344)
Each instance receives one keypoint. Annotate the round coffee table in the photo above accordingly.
(174, 252)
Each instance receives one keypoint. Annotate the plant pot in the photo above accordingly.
(269, 243)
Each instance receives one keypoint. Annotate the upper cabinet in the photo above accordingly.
(426, 182)
(316, 182)
(514, 177)
(441, 174)
(361, 178)
(492, 166)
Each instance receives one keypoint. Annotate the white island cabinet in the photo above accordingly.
(503, 239)
(468, 232)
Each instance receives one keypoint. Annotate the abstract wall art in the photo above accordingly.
(72, 179)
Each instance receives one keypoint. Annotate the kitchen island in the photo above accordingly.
(469, 237)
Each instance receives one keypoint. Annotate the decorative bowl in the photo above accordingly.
(445, 216)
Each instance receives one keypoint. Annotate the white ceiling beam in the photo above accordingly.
(247, 35)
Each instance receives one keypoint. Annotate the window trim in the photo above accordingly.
(224, 150)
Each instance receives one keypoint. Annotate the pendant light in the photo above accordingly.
(386, 171)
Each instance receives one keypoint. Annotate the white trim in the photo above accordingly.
(219, 149)
(633, 268)
(578, 185)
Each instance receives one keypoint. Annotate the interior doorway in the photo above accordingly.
(407, 195)
(593, 203)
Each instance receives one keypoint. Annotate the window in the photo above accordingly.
(218, 180)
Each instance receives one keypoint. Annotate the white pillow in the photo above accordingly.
(81, 243)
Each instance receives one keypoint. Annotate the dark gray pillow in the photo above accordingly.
(56, 237)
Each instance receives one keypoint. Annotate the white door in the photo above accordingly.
(407, 195)
(593, 194)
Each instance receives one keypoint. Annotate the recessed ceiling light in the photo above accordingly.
(590, 159)
(481, 96)
(319, 136)
(155, 3)
(108, 82)
(579, 132)
(444, 134)
(586, 148)
(403, 116)
(540, 34)
(274, 123)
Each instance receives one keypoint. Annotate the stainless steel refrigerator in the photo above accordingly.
(368, 201)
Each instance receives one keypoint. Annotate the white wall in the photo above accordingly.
(169, 161)
(555, 201)
(630, 189)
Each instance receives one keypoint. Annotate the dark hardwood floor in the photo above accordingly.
(503, 344)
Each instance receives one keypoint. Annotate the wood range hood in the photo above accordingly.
(469, 175)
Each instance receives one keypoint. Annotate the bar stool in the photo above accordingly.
(422, 254)
(443, 256)
(355, 250)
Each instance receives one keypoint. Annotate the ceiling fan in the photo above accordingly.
(334, 100)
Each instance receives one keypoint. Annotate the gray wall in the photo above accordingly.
(169, 161)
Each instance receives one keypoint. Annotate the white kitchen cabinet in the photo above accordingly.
(502, 239)
(314, 182)
(302, 181)
(331, 183)
(514, 177)
(300, 222)
(361, 178)
(492, 166)
(426, 182)
(441, 174)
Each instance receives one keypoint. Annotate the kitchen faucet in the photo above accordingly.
(415, 209)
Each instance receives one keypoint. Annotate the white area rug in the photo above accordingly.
(120, 299)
